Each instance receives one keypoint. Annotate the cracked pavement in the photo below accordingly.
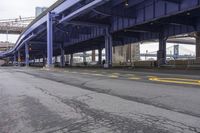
(33, 100)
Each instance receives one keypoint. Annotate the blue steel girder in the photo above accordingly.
(83, 10)
(125, 2)
(151, 11)
(141, 17)
(174, 1)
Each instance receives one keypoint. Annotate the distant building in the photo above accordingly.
(126, 53)
(39, 10)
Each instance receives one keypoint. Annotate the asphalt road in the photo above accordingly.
(97, 101)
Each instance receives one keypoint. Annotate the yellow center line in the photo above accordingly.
(113, 76)
(134, 78)
(151, 76)
(180, 79)
(96, 74)
(176, 80)
(115, 73)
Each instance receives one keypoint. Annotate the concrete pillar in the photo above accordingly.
(198, 46)
(93, 56)
(100, 56)
(161, 54)
(62, 57)
(108, 48)
(19, 58)
(71, 60)
(27, 54)
(50, 39)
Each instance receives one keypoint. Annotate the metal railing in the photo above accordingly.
(193, 62)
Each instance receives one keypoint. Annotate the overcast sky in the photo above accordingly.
(10, 9)
(24, 8)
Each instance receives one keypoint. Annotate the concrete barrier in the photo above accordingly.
(145, 64)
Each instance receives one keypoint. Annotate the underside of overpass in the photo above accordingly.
(69, 27)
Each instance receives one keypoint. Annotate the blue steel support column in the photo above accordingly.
(198, 46)
(93, 55)
(108, 48)
(44, 59)
(161, 54)
(71, 60)
(176, 51)
(15, 60)
(49, 39)
(62, 57)
(27, 54)
(56, 59)
(100, 56)
(34, 60)
(19, 58)
(84, 57)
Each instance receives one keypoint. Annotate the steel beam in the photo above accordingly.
(161, 54)
(176, 51)
(84, 57)
(15, 59)
(50, 39)
(62, 57)
(71, 60)
(100, 56)
(82, 10)
(19, 58)
(26, 40)
(44, 59)
(27, 54)
(93, 56)
(198, 46)
(108, 48)
(87, 24)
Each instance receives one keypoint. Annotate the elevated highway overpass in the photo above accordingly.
(5, 45)
(14, 26)
(69, 27)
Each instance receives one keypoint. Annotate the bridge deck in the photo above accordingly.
(80, 24)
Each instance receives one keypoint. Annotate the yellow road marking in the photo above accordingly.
(134, 78)
(151, 76)
(180, 79)
(115, 73)
(97, 74)
(176, 80)
(113, 76)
